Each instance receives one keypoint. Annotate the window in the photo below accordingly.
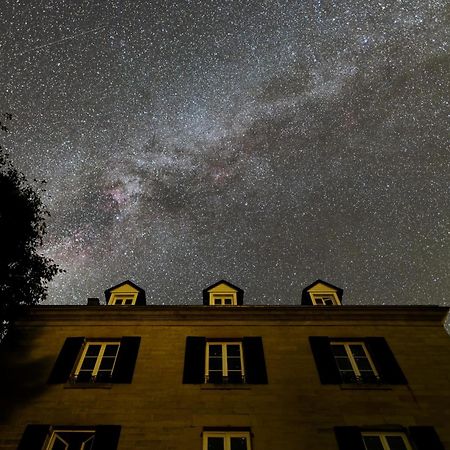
(123, 299)
(97, 362)
(223, 299)
(385, 441)
(393, 438)
(355, 360)
(71, 440)
(46, 437)
(218, 361)
(227, 440)
(83, 360)
(354, 363)
(224, 362)
(325, 299)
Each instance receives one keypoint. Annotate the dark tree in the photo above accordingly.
(24, 273)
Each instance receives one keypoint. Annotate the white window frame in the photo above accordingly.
(120, 299)
(383, 434)
(213, 296)
(226, 435)
(224, 358)
(55, 435)
(346, 345)
(317, 298)
(96, 368)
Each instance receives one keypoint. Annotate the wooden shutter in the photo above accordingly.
(33, 437)
(66, 360)
(325, 362)
(254, 363)
(383, 358)
(126, 359)
(106, 437)
(349, 438)
(425, 438)
(194, 360)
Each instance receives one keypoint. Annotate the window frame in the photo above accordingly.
(222, 296)
(103, 343)
(224, 372)
(119, 299)
(351, 358)
(382, 435)
(315, 296)
(50, 442)
(226, 435)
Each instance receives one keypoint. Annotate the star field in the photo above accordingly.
(269, 143)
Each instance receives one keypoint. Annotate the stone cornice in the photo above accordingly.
(204, 315)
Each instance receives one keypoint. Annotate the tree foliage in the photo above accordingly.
(24, 272)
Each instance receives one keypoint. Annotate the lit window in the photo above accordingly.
(229, 440)
(324, 299)
(71, 440)
(223, 299)
(97, 362)
(385, 441)
(224, 362)
(354, 362)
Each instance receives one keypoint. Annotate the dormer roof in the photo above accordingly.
(320, 287)
(124, 288)
(222, 288)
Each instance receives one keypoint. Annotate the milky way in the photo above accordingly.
(269, 143)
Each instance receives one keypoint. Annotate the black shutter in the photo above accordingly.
(126, 359)
(425, 438)
(254, 363)
(383, 358)
(106, 437)
(324, 358)
(349, 438)
(194, 360)
(66, 360)
(33, 437)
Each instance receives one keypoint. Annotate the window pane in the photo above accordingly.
(233, 350)
(338, 350)
(344, 364)
(357, 350)
(234, 364)
(215, 350)
(396, 443)
(215, 443)
(363, 364)
(88, 363)
(238, 443)
(217, 301)
(111, 350)
(373, 443)
(59, 444)
(215, 364)
(107, 364)
(93, 350)
(228, 301)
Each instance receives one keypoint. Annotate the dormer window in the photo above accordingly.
(321, 293)
(223, 293)
(222, 299)
(325, 299)
(123, 299)
(125, 294)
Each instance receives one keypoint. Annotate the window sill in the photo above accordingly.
(88, 386)
(365, 387)
(225, 387)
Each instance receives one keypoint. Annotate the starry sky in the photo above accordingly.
(270, 143)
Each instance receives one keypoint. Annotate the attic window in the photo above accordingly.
(326, 299)
(123, 299)
(228, 299)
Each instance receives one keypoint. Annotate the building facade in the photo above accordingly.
(226, 376)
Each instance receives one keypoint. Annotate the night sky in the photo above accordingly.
(269, 143)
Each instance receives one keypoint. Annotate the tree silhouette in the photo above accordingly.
(24, 273)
